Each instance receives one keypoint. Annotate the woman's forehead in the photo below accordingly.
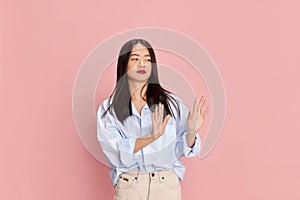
(139, 48)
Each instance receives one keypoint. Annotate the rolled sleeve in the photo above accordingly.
(126, 147)
(191, 151)
(116, 146)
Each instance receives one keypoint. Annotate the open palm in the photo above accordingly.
(197, 115)
(158, 122)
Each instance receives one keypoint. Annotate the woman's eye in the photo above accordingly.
(134, 59)
(149, 60)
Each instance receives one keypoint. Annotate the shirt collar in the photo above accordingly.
(135, 112)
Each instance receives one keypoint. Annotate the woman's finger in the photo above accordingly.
(156, 112)
(153, 116)
(201, 104)
(166, 120)
(195, 105)
(161, 113)
(205, 112)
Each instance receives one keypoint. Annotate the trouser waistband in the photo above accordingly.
(137, 174)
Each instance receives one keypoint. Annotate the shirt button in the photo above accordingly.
(152, 174)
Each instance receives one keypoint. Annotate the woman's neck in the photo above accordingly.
(135, 90)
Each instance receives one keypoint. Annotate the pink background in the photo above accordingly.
(254, 44)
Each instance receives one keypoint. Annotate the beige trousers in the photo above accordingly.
(158, 185)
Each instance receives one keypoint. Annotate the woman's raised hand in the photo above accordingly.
(158, 123)
(197, 116)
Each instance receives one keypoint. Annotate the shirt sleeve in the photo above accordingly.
(182, 147)
(116, 146)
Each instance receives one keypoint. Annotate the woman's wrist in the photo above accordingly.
(141, 142)
(154, 136)
(191, 137)
(191, 132)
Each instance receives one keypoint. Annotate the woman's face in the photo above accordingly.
(139, 64)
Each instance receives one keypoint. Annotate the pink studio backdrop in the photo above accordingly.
(255, 45)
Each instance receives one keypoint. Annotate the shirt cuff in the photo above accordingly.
(195, 149)
(126, 147)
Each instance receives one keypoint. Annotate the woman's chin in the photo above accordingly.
(138, 79)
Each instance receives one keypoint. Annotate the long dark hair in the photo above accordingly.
(121, 102)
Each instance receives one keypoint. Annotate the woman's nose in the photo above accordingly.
(141, 63)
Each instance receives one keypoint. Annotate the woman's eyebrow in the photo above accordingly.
(134, 54)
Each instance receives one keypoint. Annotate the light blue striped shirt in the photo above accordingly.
(117, 141)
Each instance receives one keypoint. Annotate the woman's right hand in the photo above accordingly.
(158, 123)
(158, 128)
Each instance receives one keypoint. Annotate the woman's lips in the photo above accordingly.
(141, 71)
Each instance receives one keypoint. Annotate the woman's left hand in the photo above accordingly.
(197, 116)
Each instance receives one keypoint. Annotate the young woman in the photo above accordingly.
(143, 129)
